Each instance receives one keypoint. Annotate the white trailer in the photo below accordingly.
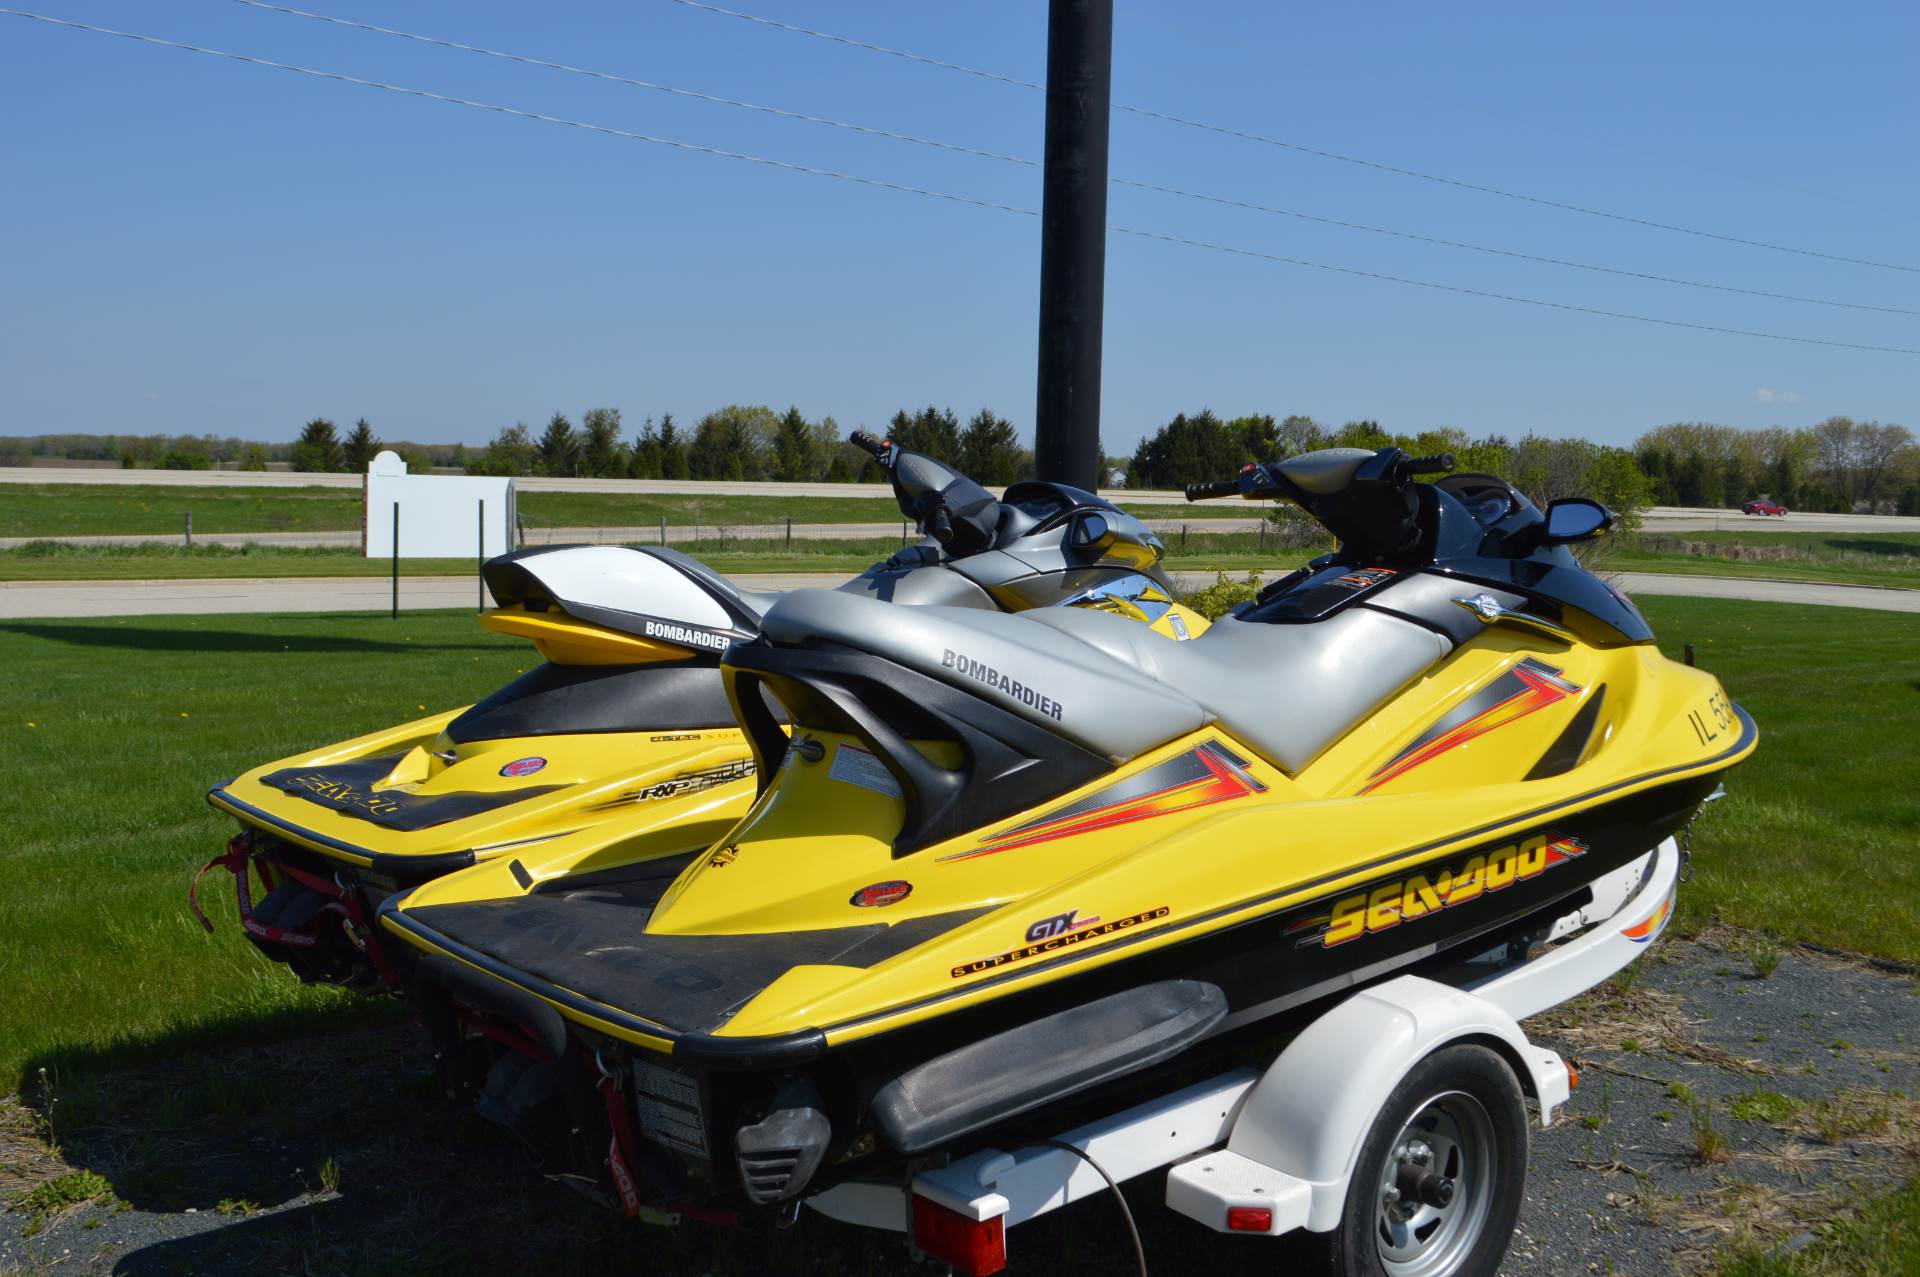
(1397, 1113)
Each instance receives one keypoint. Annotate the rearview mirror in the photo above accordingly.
(1575, 519)
(1091, 531)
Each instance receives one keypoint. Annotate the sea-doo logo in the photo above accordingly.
(523, 767)
(881, 894)
(1423, 894)
(1000, 682)
(1061, 941)
(685, 636)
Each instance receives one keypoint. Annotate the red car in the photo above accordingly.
(1763, 506)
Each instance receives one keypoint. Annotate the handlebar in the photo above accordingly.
(875, 448)
(1208, 491)
(1440, 464)
(940, 524)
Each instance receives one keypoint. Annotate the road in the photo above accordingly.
(22, 600)
(1656, 521)
(1659, 519)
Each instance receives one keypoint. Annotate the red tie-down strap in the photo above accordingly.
(238, 857)
(619, 1148)
(620, 1152)
(241, 854)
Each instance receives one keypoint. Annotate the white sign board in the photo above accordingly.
(442, 516)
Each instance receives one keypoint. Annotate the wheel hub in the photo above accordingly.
(1436, 1188)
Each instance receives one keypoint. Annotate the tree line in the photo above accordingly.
(750, 442)
(1200, 447)
(1839, 465)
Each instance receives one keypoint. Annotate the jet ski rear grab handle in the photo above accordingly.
(1278, 1146)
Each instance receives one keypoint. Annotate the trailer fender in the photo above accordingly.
(1310, 1111)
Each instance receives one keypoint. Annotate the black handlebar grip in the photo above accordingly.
(1431, 465)
(940, 525)
(1207, 491)
(868, 444)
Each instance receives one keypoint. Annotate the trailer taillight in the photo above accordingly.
(1249, 1219)
(975, 1247)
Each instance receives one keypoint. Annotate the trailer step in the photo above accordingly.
(1234, 1194)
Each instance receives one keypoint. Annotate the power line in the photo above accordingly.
(1504, 297)
(1249, 136)
(633, 83)
(525, 115)
(1028, 163)
(923, 191)
(864, 44)
(1505, 252)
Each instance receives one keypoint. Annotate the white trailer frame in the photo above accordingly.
(1284, 1140)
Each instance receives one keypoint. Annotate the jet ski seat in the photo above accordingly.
(1112, 685)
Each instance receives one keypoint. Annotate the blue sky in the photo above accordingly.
(195, 245)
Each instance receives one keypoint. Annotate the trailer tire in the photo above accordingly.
(1437, 1187)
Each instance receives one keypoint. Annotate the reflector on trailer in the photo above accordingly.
(1249, 1219)
(973, 1247)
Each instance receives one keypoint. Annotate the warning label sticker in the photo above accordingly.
(855, 766)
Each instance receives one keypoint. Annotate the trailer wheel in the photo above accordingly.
(1437, 1187)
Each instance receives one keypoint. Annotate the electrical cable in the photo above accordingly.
(1249, 136)
(1126, 1211)
(1201, 196)
(524, 115)
(903, 187)
(634, 83)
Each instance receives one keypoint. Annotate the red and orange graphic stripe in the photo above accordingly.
(1527, 688)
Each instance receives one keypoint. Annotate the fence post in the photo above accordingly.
(189, 532)
(696, 521)
(663, 529)
(789, 532)
(903, 534)
(480, 562)
(1263, 535)
(396, 560)
(1183, 538)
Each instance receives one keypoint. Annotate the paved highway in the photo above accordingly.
(20, 600)
(1659, 519)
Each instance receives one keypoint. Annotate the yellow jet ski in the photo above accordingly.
(1002, 863)
(624, 736)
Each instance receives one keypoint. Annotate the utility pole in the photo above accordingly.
(1073, 241)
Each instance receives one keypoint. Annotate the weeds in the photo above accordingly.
(1770, 1107)
(1709, 1140)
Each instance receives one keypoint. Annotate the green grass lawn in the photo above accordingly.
(1848, 558)
(81, 509)
(113, 729)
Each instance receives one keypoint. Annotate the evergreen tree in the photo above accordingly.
(318, 448)
(673, 450)
(601, 454)
(1196, 449)
(841, 469)
(560, 448)
(931, 431)
(360, 448)
(989, 450)
(795, 448)
(643, 459)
